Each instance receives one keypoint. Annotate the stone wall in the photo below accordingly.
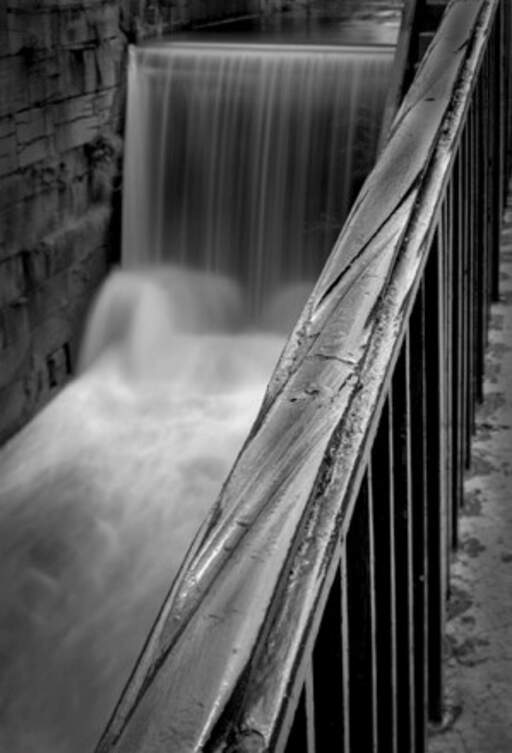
(62, 68)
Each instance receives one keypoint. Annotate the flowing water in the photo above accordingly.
(240, 168)
(247, 159)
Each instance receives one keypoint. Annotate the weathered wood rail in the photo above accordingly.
(309, 614)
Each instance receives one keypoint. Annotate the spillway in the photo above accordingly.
(241, 165)
(244, 160)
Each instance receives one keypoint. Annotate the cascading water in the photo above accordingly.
(245, 160)
(241, 165)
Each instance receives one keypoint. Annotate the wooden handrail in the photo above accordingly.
(401, 64)
(229, 658)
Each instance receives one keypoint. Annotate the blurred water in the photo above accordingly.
(101, 494)
(245, 159)
(230, 207)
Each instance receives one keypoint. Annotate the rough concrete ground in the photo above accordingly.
(479, 629)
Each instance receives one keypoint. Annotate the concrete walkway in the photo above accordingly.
(479, 631)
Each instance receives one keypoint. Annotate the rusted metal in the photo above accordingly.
(291, 554)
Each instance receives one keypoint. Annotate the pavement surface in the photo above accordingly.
(478, 650)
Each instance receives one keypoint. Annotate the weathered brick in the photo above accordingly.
(35, 151)
(44, 81)
(75, 31)
(107, 61)
(85, 276)
(66, 174)
(32, 124)
(90, 71)
(57, 6)
(57, 309)
(75, 122)
(13, 325)
(104, 19)
(34, 129)
(73, 109)
(24, 222)
(76, 133)
(38, 263)
(35, 384)
(53, 331)
(14, 341)
(4, 38)
(31, 28)
(13, 85)
(13, 284)
(106, 107)
(13, 408)
(66, 246)
(58, 366)
(11, 191)
(8, 157)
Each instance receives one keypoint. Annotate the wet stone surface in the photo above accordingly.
(472, 504)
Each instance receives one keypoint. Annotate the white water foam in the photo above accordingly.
(102, 493)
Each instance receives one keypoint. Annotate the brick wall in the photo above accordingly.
(61, 104)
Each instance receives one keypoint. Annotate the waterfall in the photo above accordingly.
(244, 161)
(241, 164)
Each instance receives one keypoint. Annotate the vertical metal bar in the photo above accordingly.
(403, 555)
(489, 141)
(298, 738)
(479, 175)
(507, 24)
(484, 179)
(328, 673)
(462, 248)
(476, 242)
(345, 651)
(436, 481)
(467, 343)
(385, 580)
(498, 112)
(373, 609)
(416, 366)
(457, 352)
(361, 633)
(471, 276)
(446, 260)
(309, 702)
(501, 28)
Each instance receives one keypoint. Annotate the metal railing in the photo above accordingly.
(309, 614)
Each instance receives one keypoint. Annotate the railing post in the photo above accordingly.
(404, 554)
(382, 464)
(330, 664)
(436, 475)
(498, 90)
(361, 623)
(417, 378)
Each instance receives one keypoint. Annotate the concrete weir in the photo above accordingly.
(478, 648)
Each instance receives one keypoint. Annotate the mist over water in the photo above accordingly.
(238, 172)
